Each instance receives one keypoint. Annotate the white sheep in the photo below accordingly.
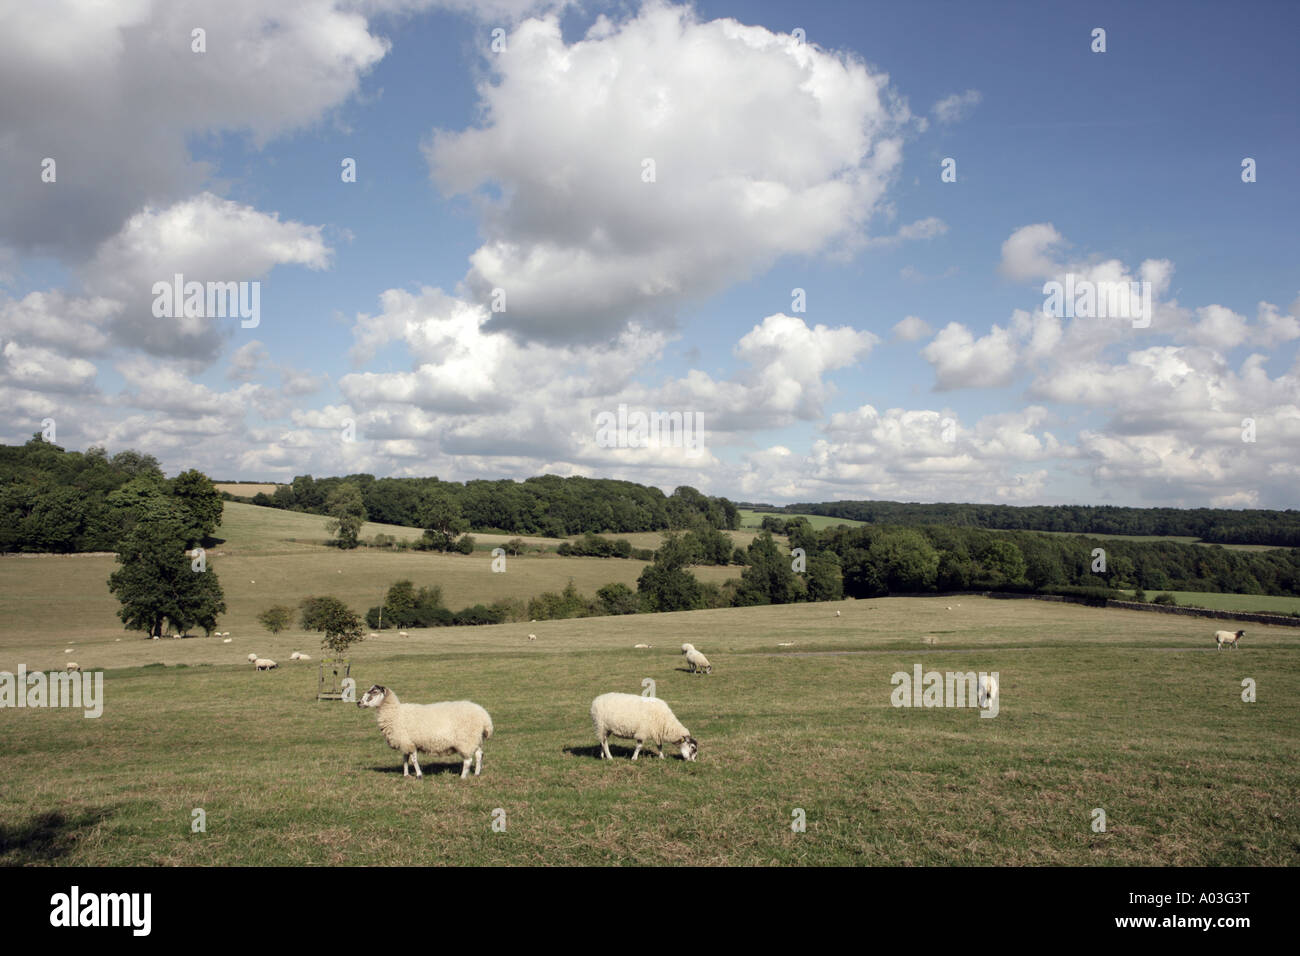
(643, 647)
(987, 690)
(68, 651)
(264, 664)
(532, 637)
(837, 613)
(73, 666)
(643, 719)
(696, 661)
(299, 656)
(785, 643)
(401, 634)
(1227, 637)
(441, 729)
(227, 640)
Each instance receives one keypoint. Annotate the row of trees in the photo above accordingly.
(62, 501)
(1218, 525)
(546, 505)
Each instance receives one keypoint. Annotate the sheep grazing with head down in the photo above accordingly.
(262, 663)
(440, 730)
(987, 690)
(695, 661)
(643, 719)
(1227, 637)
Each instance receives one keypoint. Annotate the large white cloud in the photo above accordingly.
(763, 146)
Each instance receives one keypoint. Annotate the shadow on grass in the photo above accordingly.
(615, 750)
(46, 837)
(429, 769)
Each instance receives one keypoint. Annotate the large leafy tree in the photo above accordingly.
(347, 514)
(666, 585)
(442, 520)
(158, 583)
(201, 502)
(768, 579)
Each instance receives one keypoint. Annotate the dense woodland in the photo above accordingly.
(66, 501)
(1215, 525)
(547, 505)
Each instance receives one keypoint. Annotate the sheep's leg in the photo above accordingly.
(478, 761)
(604, 748)
(637, 751)
(406, 765)
(416, 760)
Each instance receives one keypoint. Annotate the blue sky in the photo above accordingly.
(780, 165)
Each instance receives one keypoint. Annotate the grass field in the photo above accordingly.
(1121, 710)
(1262, 603)
(1132, 712)
(750, 519)
(245, 489)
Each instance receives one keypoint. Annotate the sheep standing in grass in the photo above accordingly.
(264, 664)
(697, 662)
(643, 719)
(1227, 637)
(440, 730)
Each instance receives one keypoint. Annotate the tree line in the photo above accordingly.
(1213, 525)
(546, 505)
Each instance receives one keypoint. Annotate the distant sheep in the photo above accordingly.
(532, 637)
(697, 662)
(837, 613)
(73, 666)
(643, 719)
(402, 634)
(785, 644)
(644, 647)
(265, 664)
(299, 656)
(1227, 637)
(441, 729)
(227, 640)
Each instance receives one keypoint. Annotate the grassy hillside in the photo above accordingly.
(1126, 711)
(752, 519)
(267, 557)
(1262, 603)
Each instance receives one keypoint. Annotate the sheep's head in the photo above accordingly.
(1240, 635)
(690, 747)
(373, 697)
(251, 658)
(687, 648)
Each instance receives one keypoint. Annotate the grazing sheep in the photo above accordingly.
(643, 719)
(441, 729)
(698, 662)
(987, 691)
(265, 664)
(401, 634)
(641, 646)
(1227, 637)
(532, 637)
(68, 651)
(372, 634)
(73, 666)
(837, 613)
(785, 644)
(950, 607)
(227, 640)
(299, 656)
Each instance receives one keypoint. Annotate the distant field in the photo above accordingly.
(270, 556)
(752, 519)
(245, 490)
(1263, 603)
